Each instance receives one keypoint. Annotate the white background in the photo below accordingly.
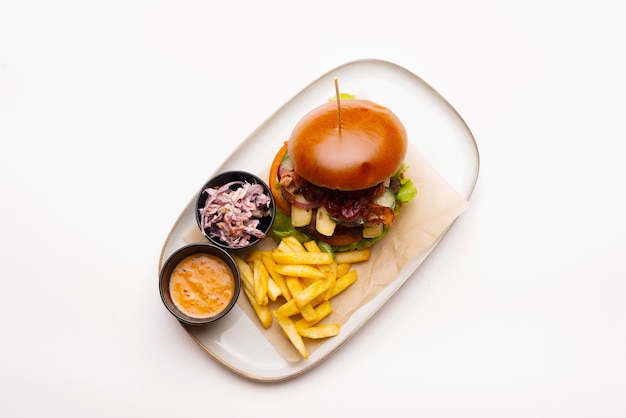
(111, 113)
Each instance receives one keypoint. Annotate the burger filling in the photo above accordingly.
(343, 219)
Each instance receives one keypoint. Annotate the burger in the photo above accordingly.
(339, 179)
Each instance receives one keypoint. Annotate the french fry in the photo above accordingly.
(294, 285)
(260, 276)
(245, 271)
(251, 256)
(292, 334)
(283, 247)
(279, 279)
(262, 311)
(288, 308)
(308, 312)
(332, 276)
(273, 291)
(316, 294)
(311, 292)
(354, 256)
(299, 270)
(294, 244)
(343, 268)
(308, 281)
(320, 331)
(281, 257)
(319, 300)
(343, 282)
(321, 311)
(312, 247)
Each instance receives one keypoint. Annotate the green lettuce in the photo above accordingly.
(407, 189)
(342, 96)
(283, 228)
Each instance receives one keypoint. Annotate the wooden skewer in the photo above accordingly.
(338, 104)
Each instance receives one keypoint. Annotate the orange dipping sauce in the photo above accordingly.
(202, 285)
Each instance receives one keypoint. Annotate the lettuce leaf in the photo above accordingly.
(342, 96)
(407, 189)
(283, 228)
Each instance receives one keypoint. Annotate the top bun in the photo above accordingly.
(368, 149)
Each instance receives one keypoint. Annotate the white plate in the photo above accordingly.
(434, 127)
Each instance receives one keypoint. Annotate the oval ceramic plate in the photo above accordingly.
(435, 128)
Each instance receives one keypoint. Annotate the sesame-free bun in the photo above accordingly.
(368, 149)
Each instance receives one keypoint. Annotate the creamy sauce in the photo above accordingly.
(202, 285)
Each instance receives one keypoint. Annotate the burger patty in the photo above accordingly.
(343, 235)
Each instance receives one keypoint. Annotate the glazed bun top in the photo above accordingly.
(368, 149)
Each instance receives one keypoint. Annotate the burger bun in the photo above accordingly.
(368, 147)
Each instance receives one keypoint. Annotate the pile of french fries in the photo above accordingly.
(295, 283)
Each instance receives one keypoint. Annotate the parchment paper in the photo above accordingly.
(420, 223)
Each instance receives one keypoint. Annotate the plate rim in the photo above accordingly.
(260, 127)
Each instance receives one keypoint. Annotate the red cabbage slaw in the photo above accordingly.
(233, 214)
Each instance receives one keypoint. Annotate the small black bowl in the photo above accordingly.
(265, 222)
(178, 256)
